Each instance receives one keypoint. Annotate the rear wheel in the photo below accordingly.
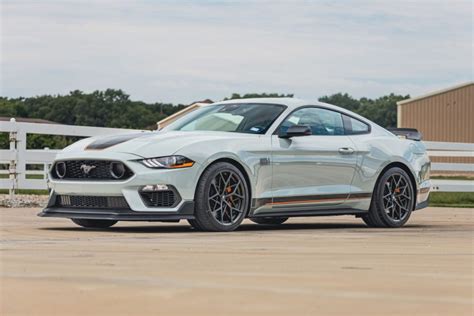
(222, 198)
(392, 201)
(93, 223)
(269, 220)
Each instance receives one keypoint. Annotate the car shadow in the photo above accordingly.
(169, 228)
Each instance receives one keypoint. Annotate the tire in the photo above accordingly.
(269, 220)
(222, 199)
(93, 223)
(393, 200)
(194, 224)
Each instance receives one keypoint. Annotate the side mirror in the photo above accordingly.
(297, 130)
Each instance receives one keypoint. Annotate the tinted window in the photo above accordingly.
(321, 121)
(240, 118)
(354, 126)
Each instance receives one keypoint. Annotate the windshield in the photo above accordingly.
(239, 118)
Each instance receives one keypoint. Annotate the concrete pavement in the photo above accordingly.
(309, 266)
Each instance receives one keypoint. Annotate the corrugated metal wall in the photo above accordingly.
(444, 117)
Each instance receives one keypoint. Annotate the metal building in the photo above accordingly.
(442, 116)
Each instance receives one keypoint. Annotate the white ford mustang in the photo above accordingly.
(264, 159)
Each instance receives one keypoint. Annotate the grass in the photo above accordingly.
(28, 176)
(34, 176)
(452, 199)
(22, 191)
(453, 177)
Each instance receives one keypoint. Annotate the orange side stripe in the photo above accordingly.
(314, 201)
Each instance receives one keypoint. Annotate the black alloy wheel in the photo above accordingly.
(393, 200)
(222, 198)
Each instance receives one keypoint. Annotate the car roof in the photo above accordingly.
(291, 103)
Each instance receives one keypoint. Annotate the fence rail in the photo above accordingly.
(18, 157)
(444, 149)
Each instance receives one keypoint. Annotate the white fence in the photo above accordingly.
(18, 157)
(441, 149)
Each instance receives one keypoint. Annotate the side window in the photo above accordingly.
(321, 121)
(354, 126)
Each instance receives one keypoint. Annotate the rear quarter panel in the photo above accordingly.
(375, 152)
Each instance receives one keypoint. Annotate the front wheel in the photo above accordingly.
(222, 199)
(392, 201)
(93, 223)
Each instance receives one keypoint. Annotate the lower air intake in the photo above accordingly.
(92, 202)
(167, 198)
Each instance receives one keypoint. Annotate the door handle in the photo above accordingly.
(346, 151)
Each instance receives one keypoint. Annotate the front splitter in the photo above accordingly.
(186, 211)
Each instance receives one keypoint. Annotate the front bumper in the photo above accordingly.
(186, 211)
(184, 180)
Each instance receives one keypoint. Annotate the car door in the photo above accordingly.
(315, 171)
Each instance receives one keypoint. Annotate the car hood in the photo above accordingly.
(151, 144)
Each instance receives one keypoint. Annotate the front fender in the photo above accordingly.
(247, 153)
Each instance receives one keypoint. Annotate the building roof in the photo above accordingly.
(208, 101)
(459, 86)
(171, 118)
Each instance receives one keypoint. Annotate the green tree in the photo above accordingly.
(382, 111)
(114, 108)
(109, 108)
(342, 100)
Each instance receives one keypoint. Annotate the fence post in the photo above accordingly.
(46, 170)
(21, 157)
(12, 172)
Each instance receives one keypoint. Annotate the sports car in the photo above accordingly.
(261, 159)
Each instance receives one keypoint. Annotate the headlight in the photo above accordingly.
(170, 162)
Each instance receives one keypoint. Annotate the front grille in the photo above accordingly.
(92, 202)
(98, 170)
(168, 198)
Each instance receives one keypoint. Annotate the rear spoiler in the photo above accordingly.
(408, 133)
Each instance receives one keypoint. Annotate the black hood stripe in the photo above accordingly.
(112, 140)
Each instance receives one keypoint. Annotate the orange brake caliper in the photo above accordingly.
(229, 189)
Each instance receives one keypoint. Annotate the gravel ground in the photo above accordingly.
(309, 266)
(23, 200)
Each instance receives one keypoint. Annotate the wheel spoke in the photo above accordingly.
(222, 214)
(214, 185)
(388, 186)
(398, 182)
(237, 210)
(214, 196)
(405, 196)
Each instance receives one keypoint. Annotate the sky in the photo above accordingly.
(183, 51)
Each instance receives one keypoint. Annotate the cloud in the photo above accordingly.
(183, 51)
